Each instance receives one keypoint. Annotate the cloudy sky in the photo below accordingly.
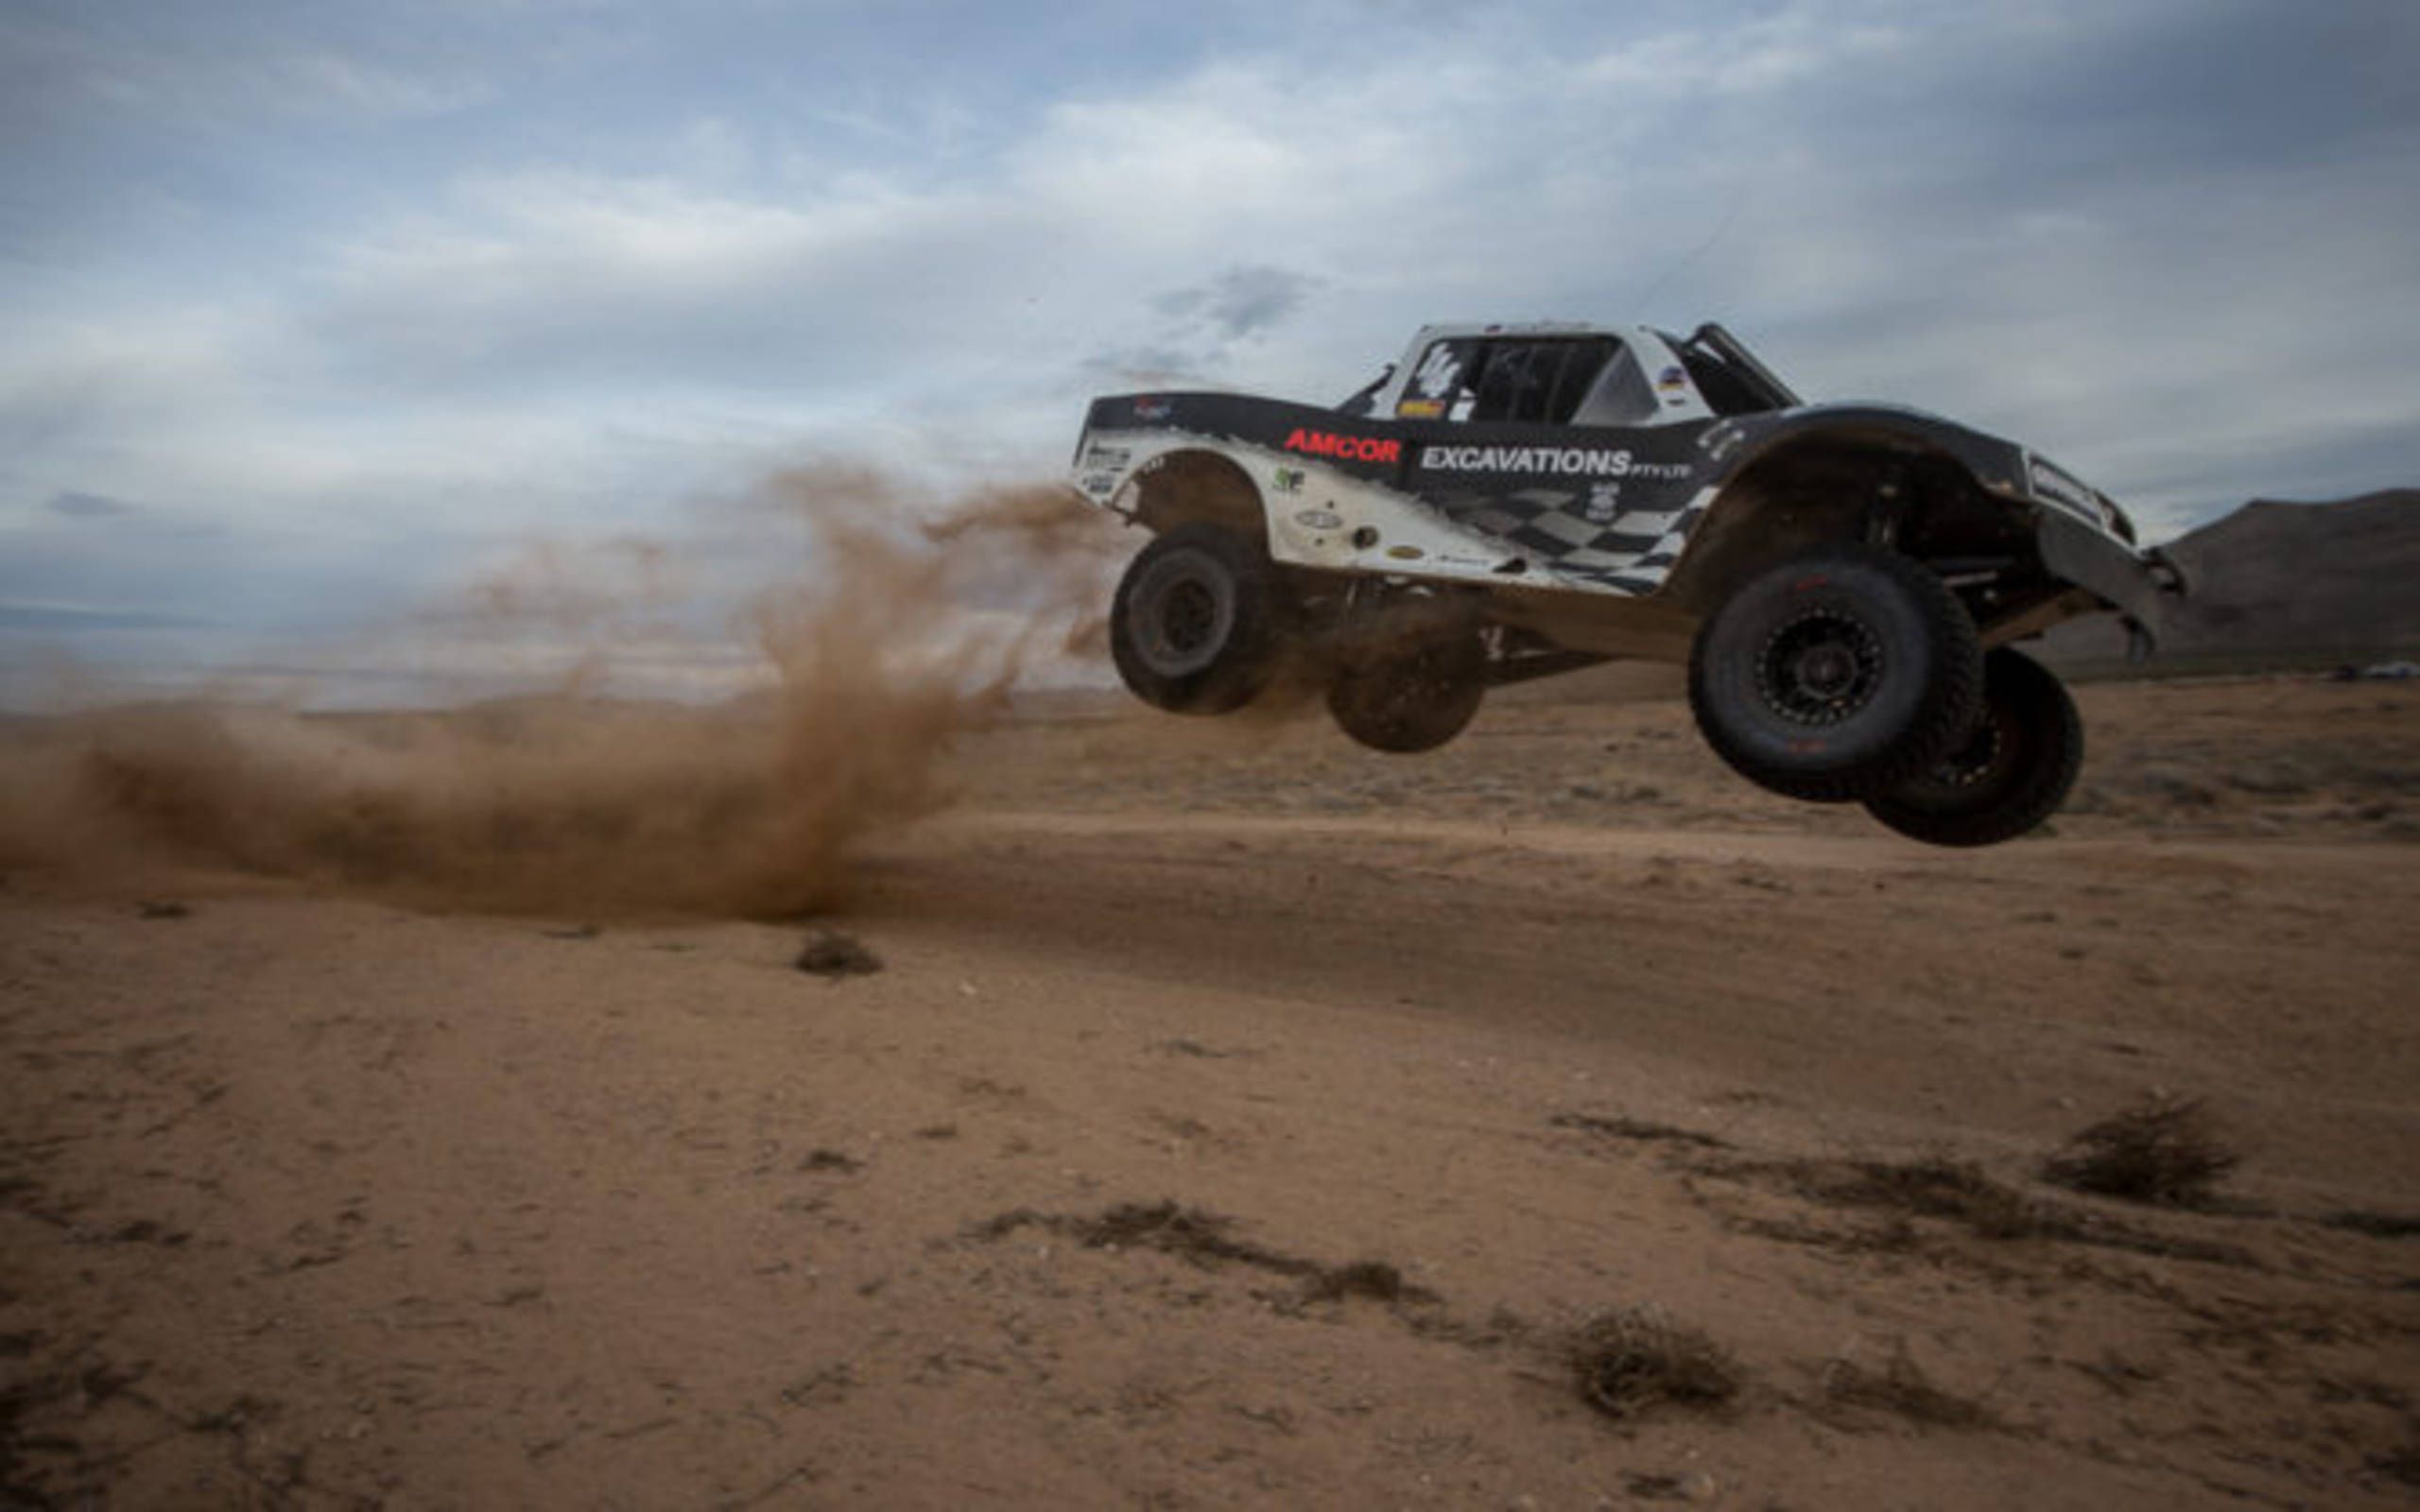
(312, 308)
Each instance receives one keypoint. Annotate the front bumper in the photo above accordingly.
(2133, 583)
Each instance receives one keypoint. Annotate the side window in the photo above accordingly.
(1624, 397)
(1537, 382)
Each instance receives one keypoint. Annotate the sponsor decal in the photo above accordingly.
(1287, 480)
(1560, 461)
(1100, 482)
(1319, 519)
(2051, 483)
(1604, 502)
(1421, 408)
(1406, 553)
(1439, 372)
(1720, 439)
(1153, 408)
(1671, 378)
(1343, 448)
(1107, 456)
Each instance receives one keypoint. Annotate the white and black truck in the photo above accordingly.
(1845, 581)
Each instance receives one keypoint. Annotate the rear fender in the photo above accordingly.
(1188, 484)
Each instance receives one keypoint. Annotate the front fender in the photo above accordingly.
(1736, 444)
(2075, 533)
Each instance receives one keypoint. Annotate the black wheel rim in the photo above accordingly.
(1188, 617)
(1183, 619)
(1974, 762)
(1820, 669)
(1988, 763)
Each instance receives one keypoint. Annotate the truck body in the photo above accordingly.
(1599, 484)
(1845, 581)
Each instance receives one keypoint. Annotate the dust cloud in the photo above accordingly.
(908, 621)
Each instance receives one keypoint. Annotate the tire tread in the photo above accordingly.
(2040, 789)
(1940, 722)
(1262, 604)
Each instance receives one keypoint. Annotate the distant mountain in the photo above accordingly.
(2284, 582)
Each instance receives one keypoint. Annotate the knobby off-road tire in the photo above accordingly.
(1411, 699)
(1196, 620)
(2012, 772)
(1838, 675)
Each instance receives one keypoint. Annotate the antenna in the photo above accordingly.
(1637, 310)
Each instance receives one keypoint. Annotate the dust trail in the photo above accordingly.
(907, 622)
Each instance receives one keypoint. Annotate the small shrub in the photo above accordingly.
(2378, 1224)
(1629, 1363)
(1636, 1128)
(1372, 1278)
(836, 955)
(2162, 1150)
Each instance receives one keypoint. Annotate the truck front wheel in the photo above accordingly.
(2012, 772)
(1196, 620)
(1837, 675)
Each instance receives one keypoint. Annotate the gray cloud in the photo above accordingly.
(58, 618)
(372, 329)
(1194, 332)
(1240, 301)
(78, 504)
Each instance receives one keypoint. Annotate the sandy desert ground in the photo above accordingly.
(1241, 1119)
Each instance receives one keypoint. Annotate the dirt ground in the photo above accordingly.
(1238, 1118)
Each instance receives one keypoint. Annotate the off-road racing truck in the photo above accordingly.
(1846, 582)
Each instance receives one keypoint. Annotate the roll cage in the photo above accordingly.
(1569, 374)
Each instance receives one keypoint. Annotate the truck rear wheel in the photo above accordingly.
(1196, 620)
(2012, 772)
(1837, 675)
(1414, 698)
